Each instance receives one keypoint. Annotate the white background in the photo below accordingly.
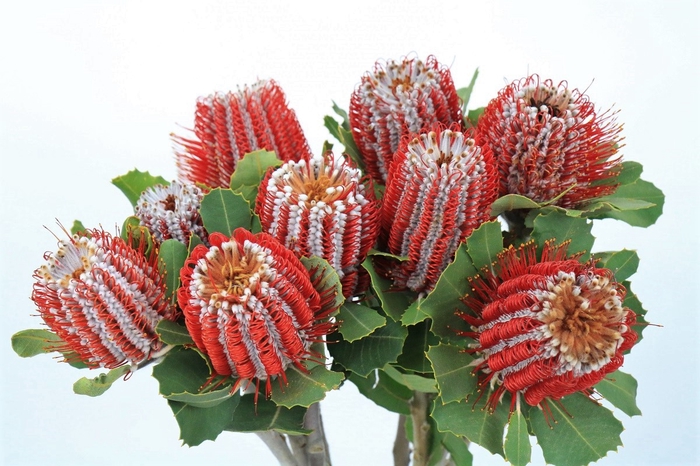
(90, 90)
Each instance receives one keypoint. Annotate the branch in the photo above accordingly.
(317, 446)
(401, 450)
(278, 446)
(421, 428)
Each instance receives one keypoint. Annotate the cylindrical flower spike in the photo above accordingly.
(229, 125)
(322, 207)
(103, 299)
(440, 188)
(549, 141)
(172, 212)
(396, 99)
(547, 328)
(251, 306)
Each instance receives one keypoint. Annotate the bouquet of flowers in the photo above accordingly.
(442, 262)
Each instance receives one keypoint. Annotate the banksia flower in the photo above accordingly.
(172, 212)
(103, 299)
(547, 328)
(251, 306)
(322, 207)
(549, 141)
(229, 125)
(397, 99)
(440, 188)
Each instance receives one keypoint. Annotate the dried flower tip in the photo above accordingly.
(103, 299)
(172, 212)
(229, 125)
(321, 207)
(396, 99)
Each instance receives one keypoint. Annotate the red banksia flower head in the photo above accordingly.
(251, 306)
(103, 298)
(396, 99)
(322, 207)
(440, 188)
(547, 328)
(549, 141)
(172, 212)
(229, 125)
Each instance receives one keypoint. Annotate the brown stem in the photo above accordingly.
(278, 446)
(421, 428)
(401, 450)
(316, 447)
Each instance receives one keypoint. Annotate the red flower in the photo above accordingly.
(440, 188)
(103, 299)
(547, 328)
(397, 99)
(229, 125)
(172, 212)
(250, 305)
(549, 141)
(322, 207)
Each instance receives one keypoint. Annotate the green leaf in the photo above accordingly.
(384, 391)
(325, 280)
(630, 172)
(223, 211)
(512, 202)
(472, 116)
(393, 303)
(133, 233)
(622, 263)
(444, 301)
(181, 376)
(266, 415)
(250, 171)
(134, 183)
(582, 432)
(305, 388)
(344, 136)
(473, 421)
(517, 444)
(620, 389)
(100, 384)
(342, 114)
(458, 448)
(465, 93)
(633, 303)
(29, 343)
(363, 356)
(194, 242)
(172, 333)
(412, 381)
(560, 227)
(173, 254)
(200, 424)
(77, 227)
(453, 372)
(357, 321)
(639, 190)
(484, 244)
(419, 339)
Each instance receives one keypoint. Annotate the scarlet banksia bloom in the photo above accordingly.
(229, 125)
(172, 212)
(103, 298)
(398, 98)
(322, 207)
(250, 305)
(547, 328)
(549, 141)
(440, 188)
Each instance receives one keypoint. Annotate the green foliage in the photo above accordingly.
(622, 263)
(100, 384)
(586, 430)
(223, 211)
(172, 333)
(393, 303)
(358, 321)
(200, 424)
(363, 356)
(643, 215)
(304, 388)
(172, 255)
(384, 391)
(453, 372)
(620, 389)
(343, 134)
(134, 183)
(560, 227)
(264, 415)
(325, 278)
(29, 343)
(77, 227)
(512, 202)
(412, 381)
(458, 448)
(413, 355)
(465, 93)
(632, 302)
(517, 443)
(249, 172)
(133, 233)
